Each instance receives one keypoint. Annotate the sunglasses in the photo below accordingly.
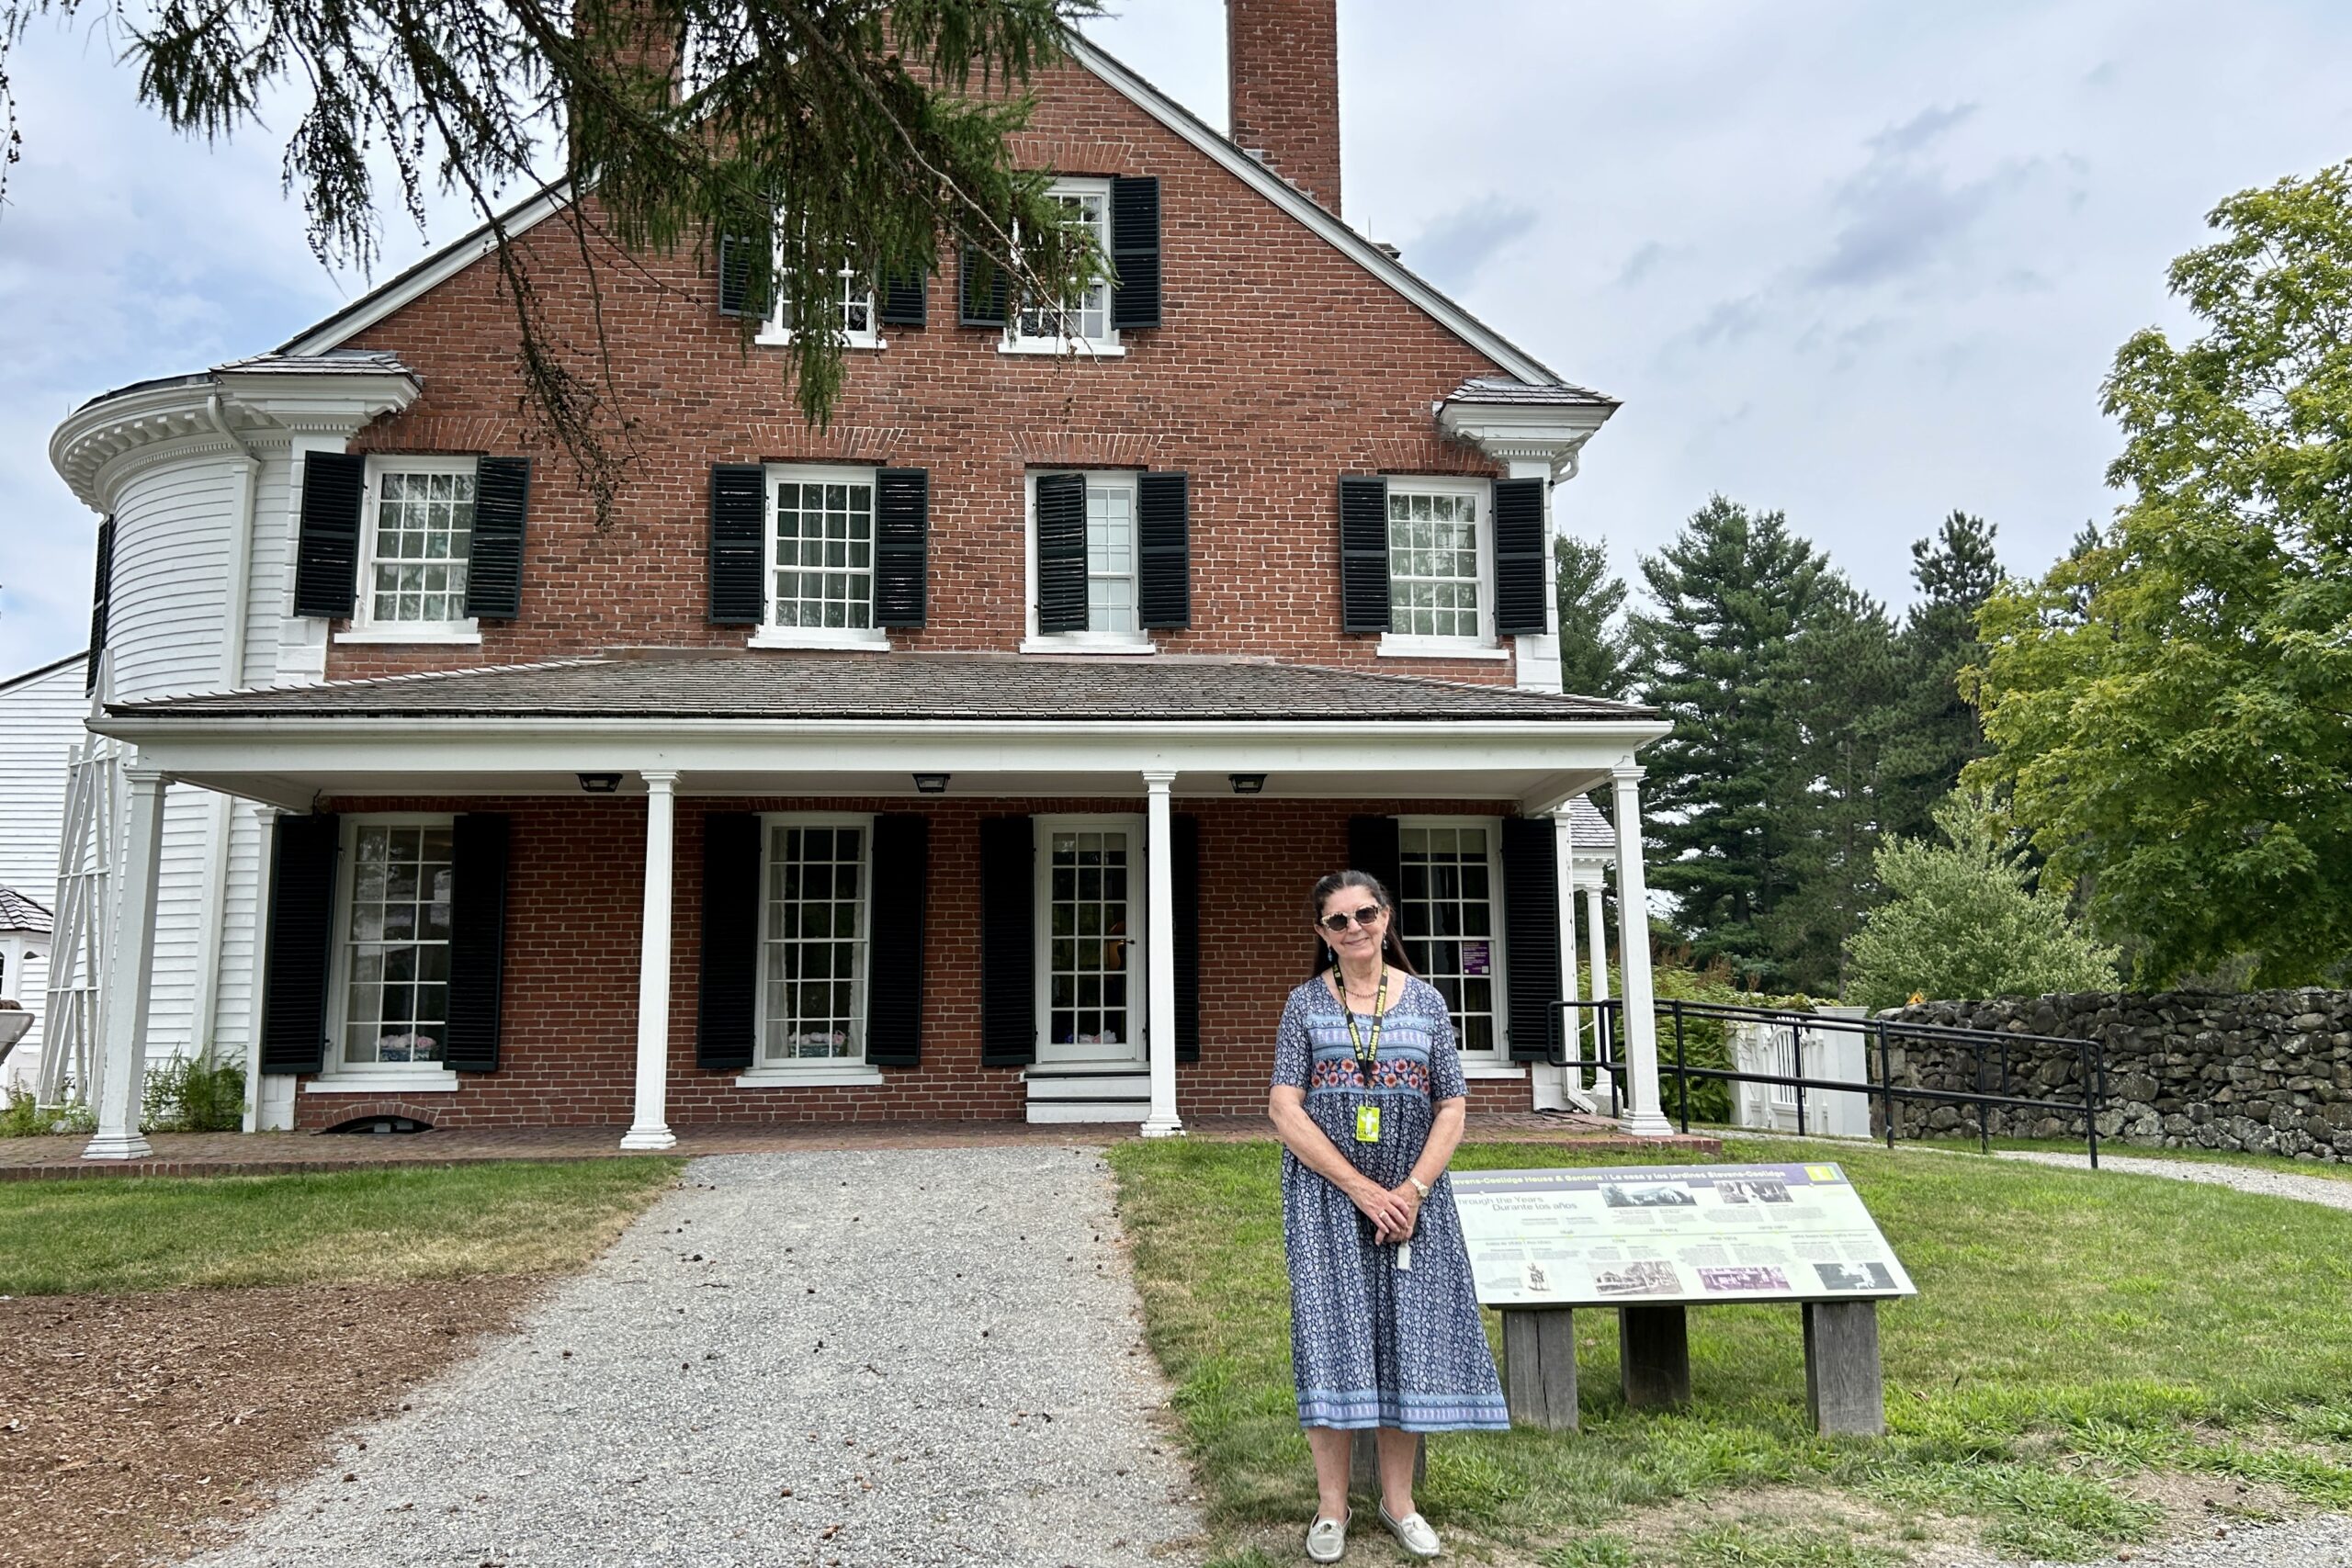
(1365, 918)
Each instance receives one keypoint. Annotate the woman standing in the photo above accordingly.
(1368, 1101)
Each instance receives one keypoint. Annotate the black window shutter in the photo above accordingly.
(1531, 936)
(1186, 828)
(736, 254)
(99, 593)
(1364, 553)
(901, 867)
(901, 546)
(326, 561)
(1008, 942)
(476, 939)
(301, 942)
(1520, 609)
(495, 572)
(1374, 846)
(1061, 552)
(725, 1015)
(1135, 251)
(984, 290)
(1164, 549)
(738, 557)
(905, 300)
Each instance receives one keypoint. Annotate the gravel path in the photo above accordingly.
(2322, 1190)
(2322, 1540)
(903, 1357)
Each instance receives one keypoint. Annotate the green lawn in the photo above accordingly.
(413, 1223)
(2071, 1330)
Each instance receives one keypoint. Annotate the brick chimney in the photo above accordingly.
(1283, 85)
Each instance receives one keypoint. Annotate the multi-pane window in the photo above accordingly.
(1433, 576)
(813, 1001)
(1086, 316)
(1446, 906)
(820, 533)
(396, 947)
(858, 308)
(423, 537)
(1087, 913)
(1111, 558)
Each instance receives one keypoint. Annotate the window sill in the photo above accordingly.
(465, 635)
(1489, 1071)
(784, 637)
(417, 1080)
(852, 340)
(815, 1076)
(1083, 348)
(1077, 642)
(1395, 647)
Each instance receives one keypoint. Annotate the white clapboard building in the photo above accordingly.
(40, 727)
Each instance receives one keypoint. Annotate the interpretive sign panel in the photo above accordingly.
(1654, 1235)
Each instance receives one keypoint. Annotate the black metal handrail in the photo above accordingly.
(1607, 1057)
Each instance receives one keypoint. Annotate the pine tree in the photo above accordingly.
(1593, 651)
(876, 130)
(1731, 592)
(1936, 730)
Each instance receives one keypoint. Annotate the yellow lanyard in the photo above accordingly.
(1367, 1055)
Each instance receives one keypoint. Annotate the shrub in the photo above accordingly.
(188, 1095)
(1961, 924)
(22, 1117)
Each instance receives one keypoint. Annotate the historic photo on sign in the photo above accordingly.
(1647, 1195)
(1854, 1276)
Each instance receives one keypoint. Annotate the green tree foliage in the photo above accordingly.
(1960, 923)
(1934, 729)
(877, 128)
(1731, 592)
(2171, 708)
(1844, 688)
(1593, 653)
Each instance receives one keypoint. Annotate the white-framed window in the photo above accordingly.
(391, 988)
(1113, 609)
(860, 327)
(1449, 878)
(416, 526)
(1082, 323)
(819, 559)
(816, 904)
(1440, 565)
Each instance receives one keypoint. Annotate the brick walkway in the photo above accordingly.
(280, 1154)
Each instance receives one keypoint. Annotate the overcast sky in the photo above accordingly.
(1861, 261)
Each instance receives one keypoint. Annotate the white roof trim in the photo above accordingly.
(427, 274)
(1305, 208)
(433, 270)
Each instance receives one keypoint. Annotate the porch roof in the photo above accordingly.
(896, 686)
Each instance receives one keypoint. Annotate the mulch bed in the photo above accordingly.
(141, 1426)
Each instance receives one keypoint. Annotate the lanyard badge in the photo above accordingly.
(1367, 1123)
(1367, 1055)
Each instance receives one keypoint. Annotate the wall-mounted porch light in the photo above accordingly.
(931, 784)
(1247, 784)
(601, 783)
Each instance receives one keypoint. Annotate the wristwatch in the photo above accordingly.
(1420, 1187)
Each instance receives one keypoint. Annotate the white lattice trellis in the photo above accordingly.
(89, 848)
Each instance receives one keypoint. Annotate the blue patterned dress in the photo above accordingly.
(1374, 1344)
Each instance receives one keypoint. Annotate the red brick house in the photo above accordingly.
(970, 758)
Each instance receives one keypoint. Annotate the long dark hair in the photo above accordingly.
(1392, 946)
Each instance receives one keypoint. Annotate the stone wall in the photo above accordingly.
(2269, 1071)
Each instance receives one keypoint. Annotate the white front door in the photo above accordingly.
(1091, 996)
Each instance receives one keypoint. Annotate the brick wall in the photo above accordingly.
(1280, 366)
(570, 1021)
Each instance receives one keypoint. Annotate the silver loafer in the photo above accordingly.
(1412, 1533)
(1326, 1540)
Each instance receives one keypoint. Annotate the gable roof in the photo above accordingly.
(451, 259)
(18, 913)
(10, 682)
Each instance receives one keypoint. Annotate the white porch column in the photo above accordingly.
(1559, 1088)
(1642, 1114)
(1596, 927)
(650, 1130)
(1160, 958)
(123, 1058)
